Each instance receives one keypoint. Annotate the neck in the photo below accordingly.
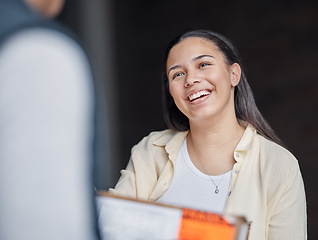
(216, 133)
(211, 149)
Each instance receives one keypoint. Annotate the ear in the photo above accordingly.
(235, 71)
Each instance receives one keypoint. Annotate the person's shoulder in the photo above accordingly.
(42, 39)
(48, 49)
(277, 157)
(278, 166)
(274, 149)
(48, 59)
(162, 135)
(159, 138)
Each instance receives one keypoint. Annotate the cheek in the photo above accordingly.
(176, 95)
(223, 79)
(171, 89)
(175, 92)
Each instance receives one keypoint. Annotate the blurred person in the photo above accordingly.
(219, 154)
(47, 126)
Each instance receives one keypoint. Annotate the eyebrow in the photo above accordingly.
(202, 56)
(193, 60)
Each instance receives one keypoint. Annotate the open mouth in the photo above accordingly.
(198, 95)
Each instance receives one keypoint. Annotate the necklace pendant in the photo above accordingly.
(216, 190)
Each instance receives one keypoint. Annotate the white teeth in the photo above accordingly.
(198, 94)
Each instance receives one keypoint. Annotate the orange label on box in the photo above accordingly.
(199, 225)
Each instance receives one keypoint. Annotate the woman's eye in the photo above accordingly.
(178, 74)
(204, 64)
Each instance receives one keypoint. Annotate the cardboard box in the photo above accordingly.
(128, 219)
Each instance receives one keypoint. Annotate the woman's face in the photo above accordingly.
(200, 81)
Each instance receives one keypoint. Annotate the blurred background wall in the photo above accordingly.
(278, 42)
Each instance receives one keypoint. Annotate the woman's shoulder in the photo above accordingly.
(267, 149)
(160, 138)
(273, 149)
(279, 167)
(276, 157)
(161, 134)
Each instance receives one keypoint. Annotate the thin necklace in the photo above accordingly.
(216, 186)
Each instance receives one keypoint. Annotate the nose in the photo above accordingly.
(190, 80)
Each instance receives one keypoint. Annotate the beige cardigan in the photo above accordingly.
(266, 185)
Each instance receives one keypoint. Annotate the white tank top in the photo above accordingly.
(191, 188)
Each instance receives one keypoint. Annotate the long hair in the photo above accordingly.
(244, 102)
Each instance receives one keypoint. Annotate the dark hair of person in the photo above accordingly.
(245, 106)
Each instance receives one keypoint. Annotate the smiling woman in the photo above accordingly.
(200, 82)
(219, 154)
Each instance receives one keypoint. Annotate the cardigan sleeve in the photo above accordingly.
(289, 219)
(150, 169)
(140, 176)
(126, 185)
